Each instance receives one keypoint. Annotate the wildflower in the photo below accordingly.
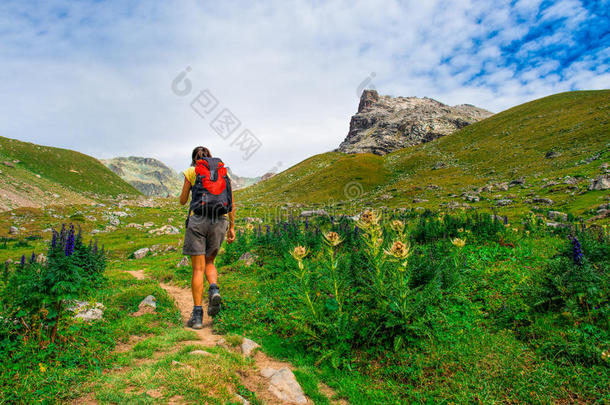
(460, 230)
(54, 240)
(505, 220)
(22, 260)
(459, 242)
(576, 251)
(333, 238)
(69, 249)
(515, 230)
(299, 252)
(399, 250)
(527, 233)
(368, 218)
(606, 355)
(250, 227)
(42, 367)
(397, 225)
(306, 223)
(33, 258)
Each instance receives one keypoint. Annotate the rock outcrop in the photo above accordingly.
(385, 123)
(149, 176)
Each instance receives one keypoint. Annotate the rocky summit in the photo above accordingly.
(385, 123)
(149, 176)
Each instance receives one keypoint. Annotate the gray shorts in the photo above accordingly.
(204, 236)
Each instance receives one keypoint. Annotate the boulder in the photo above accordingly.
(85, 311)
(517, 182)
(600, 183)
(248, 258)
(504, 202)
(501, 186)
(200, 353)
(13, 230)
(148, 224)
(248, 347)
(140, 253)
(311, 213)
(561, 216)
(146, 306)
(184, 262)
(546, 201)
(284, 385)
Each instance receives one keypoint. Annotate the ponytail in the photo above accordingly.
(198, 153)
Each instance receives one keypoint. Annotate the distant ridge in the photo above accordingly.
(33, 175)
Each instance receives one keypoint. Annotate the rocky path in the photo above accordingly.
(272, 381)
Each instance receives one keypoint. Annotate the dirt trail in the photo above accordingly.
(251, 380)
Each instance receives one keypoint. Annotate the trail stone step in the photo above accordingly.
(284, 385)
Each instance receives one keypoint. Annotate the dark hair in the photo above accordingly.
(198, 153)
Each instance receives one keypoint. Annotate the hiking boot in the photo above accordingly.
(214, 300)
(196, 321)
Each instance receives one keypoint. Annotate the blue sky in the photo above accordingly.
(97, 76)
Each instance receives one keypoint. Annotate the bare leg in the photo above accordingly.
(210, 270)
(199, 266)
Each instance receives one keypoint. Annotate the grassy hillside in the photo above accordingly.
(544, 140)
(33, 174)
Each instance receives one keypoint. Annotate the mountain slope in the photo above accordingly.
(384, 124)
(32, 175)
(566, 134)
(149, 176)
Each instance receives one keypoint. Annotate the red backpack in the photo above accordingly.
(211, 194)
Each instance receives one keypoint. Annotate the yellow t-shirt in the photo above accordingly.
(190, 174)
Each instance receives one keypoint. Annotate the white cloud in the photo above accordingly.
(96, 76)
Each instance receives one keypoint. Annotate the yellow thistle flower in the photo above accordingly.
(332, 238)
(250, 227)
(397, 225)
(459, 242)
(515, 230)
(460, 230)
(399, 250)
(368, 218)
(299, 252)
(42, 367)
(527, 233)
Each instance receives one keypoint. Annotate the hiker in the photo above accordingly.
(206, 225)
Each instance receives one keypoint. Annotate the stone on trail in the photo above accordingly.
(140, 253)
(284, 385)
(183, 262)
(242, 400)
(248, 347)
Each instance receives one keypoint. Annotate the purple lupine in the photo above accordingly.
(33, 258)
(95, 247)
(285, 226)
(505, 220)
(69, 249)
(22, 260)
(62, 234)
(356, 230)
(306, 223)
(54, 239)
(268, 228)
(576, 251)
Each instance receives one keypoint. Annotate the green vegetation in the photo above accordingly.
(427, 308)
(58, 171)
(571, 128)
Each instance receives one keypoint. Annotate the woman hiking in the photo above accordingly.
(208, 182)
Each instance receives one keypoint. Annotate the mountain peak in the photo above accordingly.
(385, 123)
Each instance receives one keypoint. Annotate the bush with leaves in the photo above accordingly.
(36, 295)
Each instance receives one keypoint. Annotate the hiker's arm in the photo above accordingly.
(184, 196)
(231, 231)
